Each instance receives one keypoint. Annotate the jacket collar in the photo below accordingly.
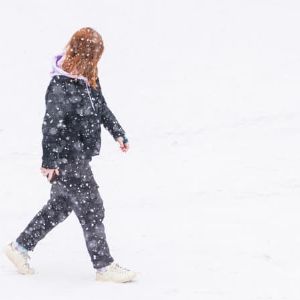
(57, 70)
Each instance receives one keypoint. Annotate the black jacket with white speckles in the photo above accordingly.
(72, 121)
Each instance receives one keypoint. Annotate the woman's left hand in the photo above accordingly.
(124, 147)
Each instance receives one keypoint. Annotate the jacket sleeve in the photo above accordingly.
(110, 122)
(53, 123)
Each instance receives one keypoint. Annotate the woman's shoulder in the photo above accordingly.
(69, 84)
(72, 85)
(62, 79)
(57, 81)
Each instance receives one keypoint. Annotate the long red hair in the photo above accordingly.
(82, 54)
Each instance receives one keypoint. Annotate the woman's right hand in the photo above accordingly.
(49, 173)
(124, 146)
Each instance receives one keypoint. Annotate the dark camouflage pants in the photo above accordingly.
(75, 189)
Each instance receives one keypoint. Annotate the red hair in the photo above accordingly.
(83, 52)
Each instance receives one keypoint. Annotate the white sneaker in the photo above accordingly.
(18, 258)
(114, 272)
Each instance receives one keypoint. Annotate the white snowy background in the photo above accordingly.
(205, 205)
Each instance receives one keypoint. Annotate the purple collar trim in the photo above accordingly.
(57, 70)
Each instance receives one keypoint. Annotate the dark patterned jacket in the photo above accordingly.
(72, 121)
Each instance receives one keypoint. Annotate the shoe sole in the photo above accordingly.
(132, 279)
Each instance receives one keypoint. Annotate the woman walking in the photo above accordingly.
(75, 110)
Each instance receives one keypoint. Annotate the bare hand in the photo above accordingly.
(49, 173)
(124, 147)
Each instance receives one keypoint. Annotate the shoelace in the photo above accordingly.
(118, 268)
(25, 255)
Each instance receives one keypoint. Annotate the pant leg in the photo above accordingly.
(56, 210)
(87, 204)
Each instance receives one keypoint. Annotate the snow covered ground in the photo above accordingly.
(205, 205)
